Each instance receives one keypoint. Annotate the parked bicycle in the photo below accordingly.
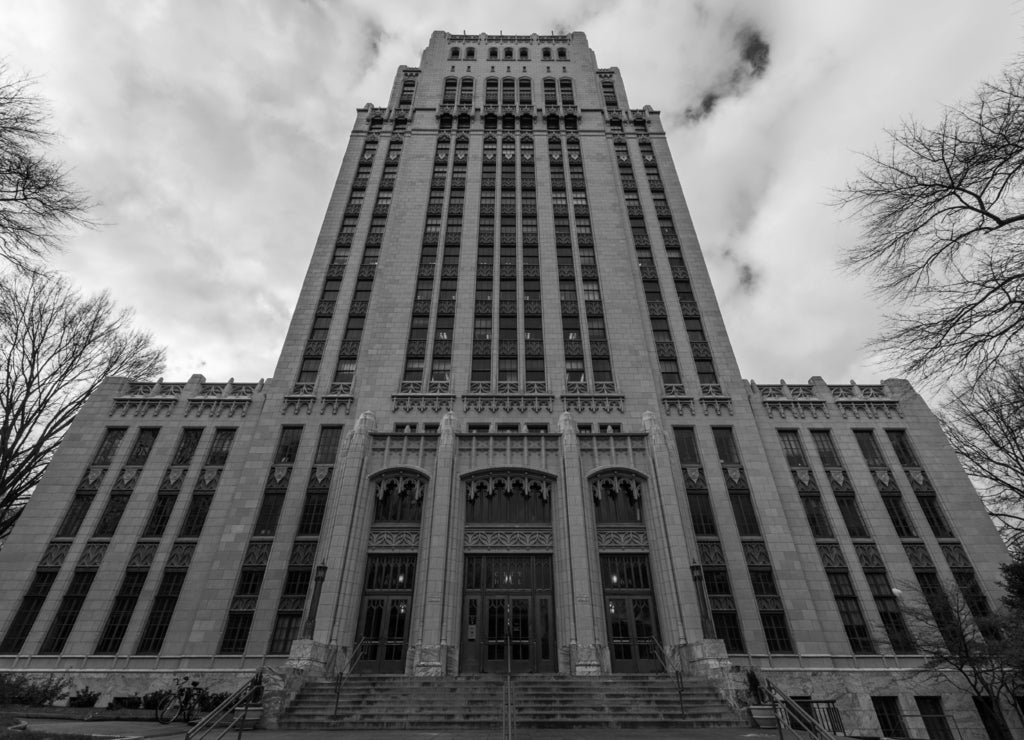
(183, 704)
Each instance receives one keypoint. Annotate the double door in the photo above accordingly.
(385, 612)
(630, 613)
(508, 615)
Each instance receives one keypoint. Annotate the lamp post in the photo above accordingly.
(707, 624)
(314, 602)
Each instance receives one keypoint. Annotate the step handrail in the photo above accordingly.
(676, 673)
(346, 671)
(508, 710)
(786, 709)
(250, 690)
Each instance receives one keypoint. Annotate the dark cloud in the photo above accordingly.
(749, 57)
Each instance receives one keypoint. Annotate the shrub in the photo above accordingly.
(152, 700)
(84, 698)
(126, 702)
(17, 688)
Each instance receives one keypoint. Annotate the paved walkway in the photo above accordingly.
(155, 730)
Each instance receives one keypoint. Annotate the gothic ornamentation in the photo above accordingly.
(208, 479)
(831, 555)
(621, 539)
(303, 553)
(181, 555)
(320, 477)
(126, 479)
(217, 407)
(257, 554)
(919, 480)
(92, 555)
(804, 479)
(507, 539)
(394, 539)
(955, 555)
(491, 403)
(735, 478)
(143, 406)
(616, 483)
(54, 555)
(722, 603)
(839, 481)
(91, 479)
(334, 402)
(918, 556)
(716, 405)
(868, 555)
(795, 409)
(678, 404)
(756, 553)
(297, 404)
(399, 483)
(693, 478)
(769, 603)
(885, 481)
(711, 553)
(143, 554)
(277, 479)
(513, 482)
(869, 409)
(594, 403)
(420, 402)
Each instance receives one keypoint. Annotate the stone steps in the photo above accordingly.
(552, 701)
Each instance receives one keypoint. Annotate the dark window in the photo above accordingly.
(397, 505)
(727, 627)
(160, 615)
(869, 448)
(27, 612)
(327, 447)
(992, 718)
(67, 612)
(746, 520)
(286, 629)
(701, 514)
(160, 515)
(935, 722)
(187, 444)
(686, 444)
(816, 516)
(76, 513)
(726, 444)
(625, 572)
(111, 515)
(121, 612)
(901, 444)
(850, 613)
(851, 516)
(108, 446)
(218, 454)
(776, 632)
(270, 511)
(792, 448)
(288, 445)
(936, 519)
(973, 595)
(312, 514)
(899, 516)
(618, 508)
(498, 504)
(236, 633)
(143, 445)
(195, 517)
(890, 719)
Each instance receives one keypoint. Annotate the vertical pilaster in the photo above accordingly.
(435, 600)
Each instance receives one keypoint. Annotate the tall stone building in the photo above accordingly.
(507, 428)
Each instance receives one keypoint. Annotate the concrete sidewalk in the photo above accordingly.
(56, 728)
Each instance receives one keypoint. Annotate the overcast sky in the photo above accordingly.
(210, 134)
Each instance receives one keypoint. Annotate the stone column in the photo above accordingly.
(577, 572)
(437, 594)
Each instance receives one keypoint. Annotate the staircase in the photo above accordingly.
(542, 700)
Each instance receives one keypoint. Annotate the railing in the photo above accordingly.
(794, 717)
(672, 670)
(346, 671)
(508, 710)
(939, 726)
(237, 705)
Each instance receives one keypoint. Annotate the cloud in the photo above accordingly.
(748, 57)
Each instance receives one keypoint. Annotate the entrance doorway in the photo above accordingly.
(630, 614)
(384, 617)
(508, 615)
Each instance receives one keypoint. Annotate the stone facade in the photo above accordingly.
(506, 430)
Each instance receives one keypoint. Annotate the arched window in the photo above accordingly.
(525, 94)
(454, 53)
(545, 53)
(450, 85)
(408, 87)
(508, 53)
(617, 496)
(566, 86)
(524, 53)
(492, 53)
(398, 496)
(562, 54)
(508, 496)
(550, 92)
(466, 91)
(508, 91)
(491, 91)
(471, 53)
(610, 99)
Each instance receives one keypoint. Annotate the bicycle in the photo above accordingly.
(183, 703)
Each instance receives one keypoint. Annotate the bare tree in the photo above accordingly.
(942, 210)
(37, 200)
(963, 643)
(985, 425)
(56, 346)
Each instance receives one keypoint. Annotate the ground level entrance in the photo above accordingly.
(508, 619)
(630, 614)
(384, 618)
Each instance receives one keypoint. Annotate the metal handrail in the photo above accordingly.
(786, 709)
(508, 710)
(346, 671)
(250, 690)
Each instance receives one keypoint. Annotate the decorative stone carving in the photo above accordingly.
(400, 483)
(394, 539)
(795, 409)
(735, 478)
(208, 479)
(884, 480)
(512, 482)
(622, 539)
(711, 553)
(320, 477)
(839, 481)
(296, 404)
(143, 554)
(716, 405)
(278, 477)
(722, 603)
(919, 480)
(257, 554)
(507, 539)
(678, 404)
(91, 480)
(804, 479)
(955, 555)
(126, 479)
(54, 555)
(616, 483)
(831, 555)
(422, 402)
(868, 409)
(694, 479)
(492, 403)
(303, 553)
(868, 555)
(92, 555)
(217, 407)
(918, 556)
(756, 553)
(181, 555)
(769, 603)
(593, 403)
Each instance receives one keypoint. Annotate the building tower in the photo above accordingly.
(506, 428)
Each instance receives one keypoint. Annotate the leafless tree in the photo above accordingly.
(942, 210)
(963, 643)
(985, 425)
(37, 200)
(56, 346)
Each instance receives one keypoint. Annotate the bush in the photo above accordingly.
(208, 701)
(126, 702)
(152, 700)
(84, 698)
(17, 688)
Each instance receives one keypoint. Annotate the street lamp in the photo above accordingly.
(314, 602)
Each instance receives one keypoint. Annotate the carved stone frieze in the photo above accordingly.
(400, 483)
(296, 404)
(181, 555)
(492, 403)
(303, 553)
(804, 479)
(716, 405)
(868, 555)
(839, 480)
(257, 554)
(173, 479)
(868, 408)
(678, 404)
(92, 555)
(394, 539)
(126, 479)
(143, 407)
(622, 539)
(593, 403)
(54, 555)
(694, 478)
(711, 553)
(510, 482)
(143, 554)
(795, 408)
(422, 402)
(831, 555)
(918, 556)
(91, 479)
(616, 483)
(507, 539)
(955, 555)
(217, 407)
(756, 553)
